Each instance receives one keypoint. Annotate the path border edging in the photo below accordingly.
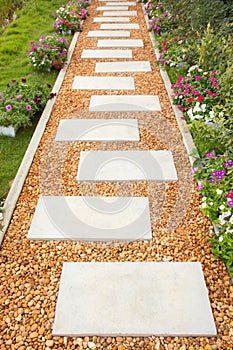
(187, 137)
(16, 188)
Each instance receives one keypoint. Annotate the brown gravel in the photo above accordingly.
(30, 271)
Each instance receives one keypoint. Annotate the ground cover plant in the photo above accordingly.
(195, 47)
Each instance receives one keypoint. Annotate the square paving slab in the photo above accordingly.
(110, 19)
(115, 67)
(107, 54)
(103, 83)
(124, 103)
(98, 166)
(91, 219)
(119, 26)
(120, 43)
(133, 299)
(111, 8)
(108, 33)
(120, 13)
(98, 130)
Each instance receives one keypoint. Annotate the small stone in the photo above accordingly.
(183, 347)
(121, 347)
(208, 347)
(119, 339)
(34, 335)
(49, 343)
(91, 345)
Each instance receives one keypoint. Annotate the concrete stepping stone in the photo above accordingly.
(120, 13)
(133, 299)
(107, 54)
(135, 66)
(110, 19)
(96, 166)
(103, 83)
(124, 103)
(119, 26)
(120, 43)
(98, 130)
(121, 3)
(91, 219)
(110, 8)
(108, 33)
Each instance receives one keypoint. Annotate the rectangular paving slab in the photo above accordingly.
(107, 54)
(134, 66)
(120, 13)
(98, 130)
(110, 8)
(119, 26)
(91, 219)
(110, 19)
(120, 43)
(96, 166)
(124, 103)
(108, 33)
(133, 299)
(121, 3)
(103, 83)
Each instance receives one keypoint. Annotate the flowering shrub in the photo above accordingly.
(197, 92)
(49, 52)
(215, 176)
(19, 103)
(173, 53)
(68, 18)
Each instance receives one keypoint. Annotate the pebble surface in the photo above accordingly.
(30, 271)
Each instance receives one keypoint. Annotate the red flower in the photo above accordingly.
(175, 39)
(200, 98)
(190, 99)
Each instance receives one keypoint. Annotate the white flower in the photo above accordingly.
(220, 238)
(211, 114)
(204, 199)
(219, 191)
(197, 107)
(203, 107)
(203, 205)
(205, 73)
(222, 207)
(211, 203)
(181, 96)
(221, 114)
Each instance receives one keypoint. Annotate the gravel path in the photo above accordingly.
(30, 271)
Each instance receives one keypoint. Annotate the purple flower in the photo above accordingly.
(52, 95)
(230, 203)
(194, 170)
(49, 86)
(36, 100)
(210, 155)
(24, 80)
(13, 81)
(229, 163)
(214, 173)
(8, 107)
(199, 188)
(220, 177)
(212, 180)
(28, 107)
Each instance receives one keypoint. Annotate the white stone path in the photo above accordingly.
(118, 299)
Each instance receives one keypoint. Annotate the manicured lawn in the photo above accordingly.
(32, 21)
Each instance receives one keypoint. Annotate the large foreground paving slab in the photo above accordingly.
(110, 19)
(115, 67)
(120, 43)
(108, 34)
(107, 54)
(98, 166)
(124, 103)
(119, 26)
(120, 13)
(133, 299)
(98, 130)
(91, 219)
(103, 83)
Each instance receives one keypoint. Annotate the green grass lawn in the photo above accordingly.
(32, 21)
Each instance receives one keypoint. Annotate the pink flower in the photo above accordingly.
(19, 96)
(198, 77)
(8, 107)
(28, 107)
(190, 99)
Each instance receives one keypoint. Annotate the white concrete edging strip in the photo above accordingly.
(187, 137)
(23, 170)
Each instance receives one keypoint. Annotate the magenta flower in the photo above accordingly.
(212, 180)
(210, 155)
(230, 203)
(19, 96)
(28, 107)
(199, 188)
(198, 77)
(8, 107)
(214, 173)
